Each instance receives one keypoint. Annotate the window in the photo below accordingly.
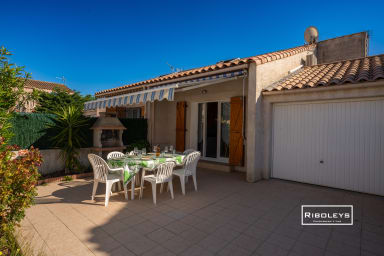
(133, 113)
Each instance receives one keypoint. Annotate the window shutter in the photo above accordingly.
(180, 126)
(236, 142)
(120, 112)
(142, 112)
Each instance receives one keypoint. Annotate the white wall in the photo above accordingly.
(53, 162)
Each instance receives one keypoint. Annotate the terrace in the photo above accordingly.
(226, 216)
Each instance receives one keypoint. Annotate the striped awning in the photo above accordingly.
(159, 93)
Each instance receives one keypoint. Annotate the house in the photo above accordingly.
(312, 113)
(31, 85)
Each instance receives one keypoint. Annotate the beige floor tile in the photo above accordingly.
(227, 216)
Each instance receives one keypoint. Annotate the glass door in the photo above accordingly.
(213, 130)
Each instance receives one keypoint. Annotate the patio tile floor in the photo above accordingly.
(227, 216)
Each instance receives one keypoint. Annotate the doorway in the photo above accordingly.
(213, 130)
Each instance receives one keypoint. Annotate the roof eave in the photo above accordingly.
(175, 80)
(327, 88)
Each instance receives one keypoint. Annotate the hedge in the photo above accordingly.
(30, 129)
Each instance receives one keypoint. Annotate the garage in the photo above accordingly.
(335, 143)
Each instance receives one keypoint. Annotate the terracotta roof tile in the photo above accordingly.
(259, 59)
(366, 69)
(45, 85)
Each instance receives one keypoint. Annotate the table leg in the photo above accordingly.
(133, 189)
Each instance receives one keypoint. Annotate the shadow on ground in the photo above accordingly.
(227, 216)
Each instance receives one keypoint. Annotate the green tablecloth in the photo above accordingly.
(131, 164)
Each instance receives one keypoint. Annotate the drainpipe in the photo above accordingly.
(245, 72)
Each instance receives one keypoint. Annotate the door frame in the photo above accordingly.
(203, 157)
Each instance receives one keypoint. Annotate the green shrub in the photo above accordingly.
(32, 129)
(68, 126)
(67, 178)
(18, 177)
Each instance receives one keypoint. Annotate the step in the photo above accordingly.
(214, 166)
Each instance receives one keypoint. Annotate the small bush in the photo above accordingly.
(67, 178)
(18, 177)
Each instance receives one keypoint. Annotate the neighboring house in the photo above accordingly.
(289, 114)
(31, 85)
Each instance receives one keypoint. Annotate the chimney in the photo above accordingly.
(311, 59)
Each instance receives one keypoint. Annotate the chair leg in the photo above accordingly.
(132, 189)
(194, 181)
(108, 187)
(95, 183)
(170, 186)
(141, 186)
(154, 192)
(161, 187)
(182, 183)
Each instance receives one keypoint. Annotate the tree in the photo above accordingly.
(18, 174)
(68, 125)
(58, 99)
(12, 80)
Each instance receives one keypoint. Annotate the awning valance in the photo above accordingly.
(160, 93)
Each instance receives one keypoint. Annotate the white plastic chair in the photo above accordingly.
(189, 169)
(188, 151)
(115, 154)
(102, 173)
(163, 175)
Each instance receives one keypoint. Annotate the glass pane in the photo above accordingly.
(200, 128)
(225, 122)
(211, 138)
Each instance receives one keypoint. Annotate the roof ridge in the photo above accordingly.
(258, 59)
(358, 70)
(44, 81)
(338, 37)
(345, 60)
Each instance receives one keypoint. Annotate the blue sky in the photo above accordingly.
(98, 45)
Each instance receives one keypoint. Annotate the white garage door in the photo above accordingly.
(337, 144)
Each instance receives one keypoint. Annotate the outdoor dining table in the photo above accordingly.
(133, 164)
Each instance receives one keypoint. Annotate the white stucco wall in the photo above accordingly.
(260, 77)
(271, 72)
(52, 161)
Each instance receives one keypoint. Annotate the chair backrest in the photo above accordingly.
(131, 153)
(188, 151)
(99, 166)
(164, 171)
(115, 154)
(190, 162)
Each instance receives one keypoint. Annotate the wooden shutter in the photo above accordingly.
(236, 145)
(110, 109)
(142, 112)
(180, 126)
(120, 112)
